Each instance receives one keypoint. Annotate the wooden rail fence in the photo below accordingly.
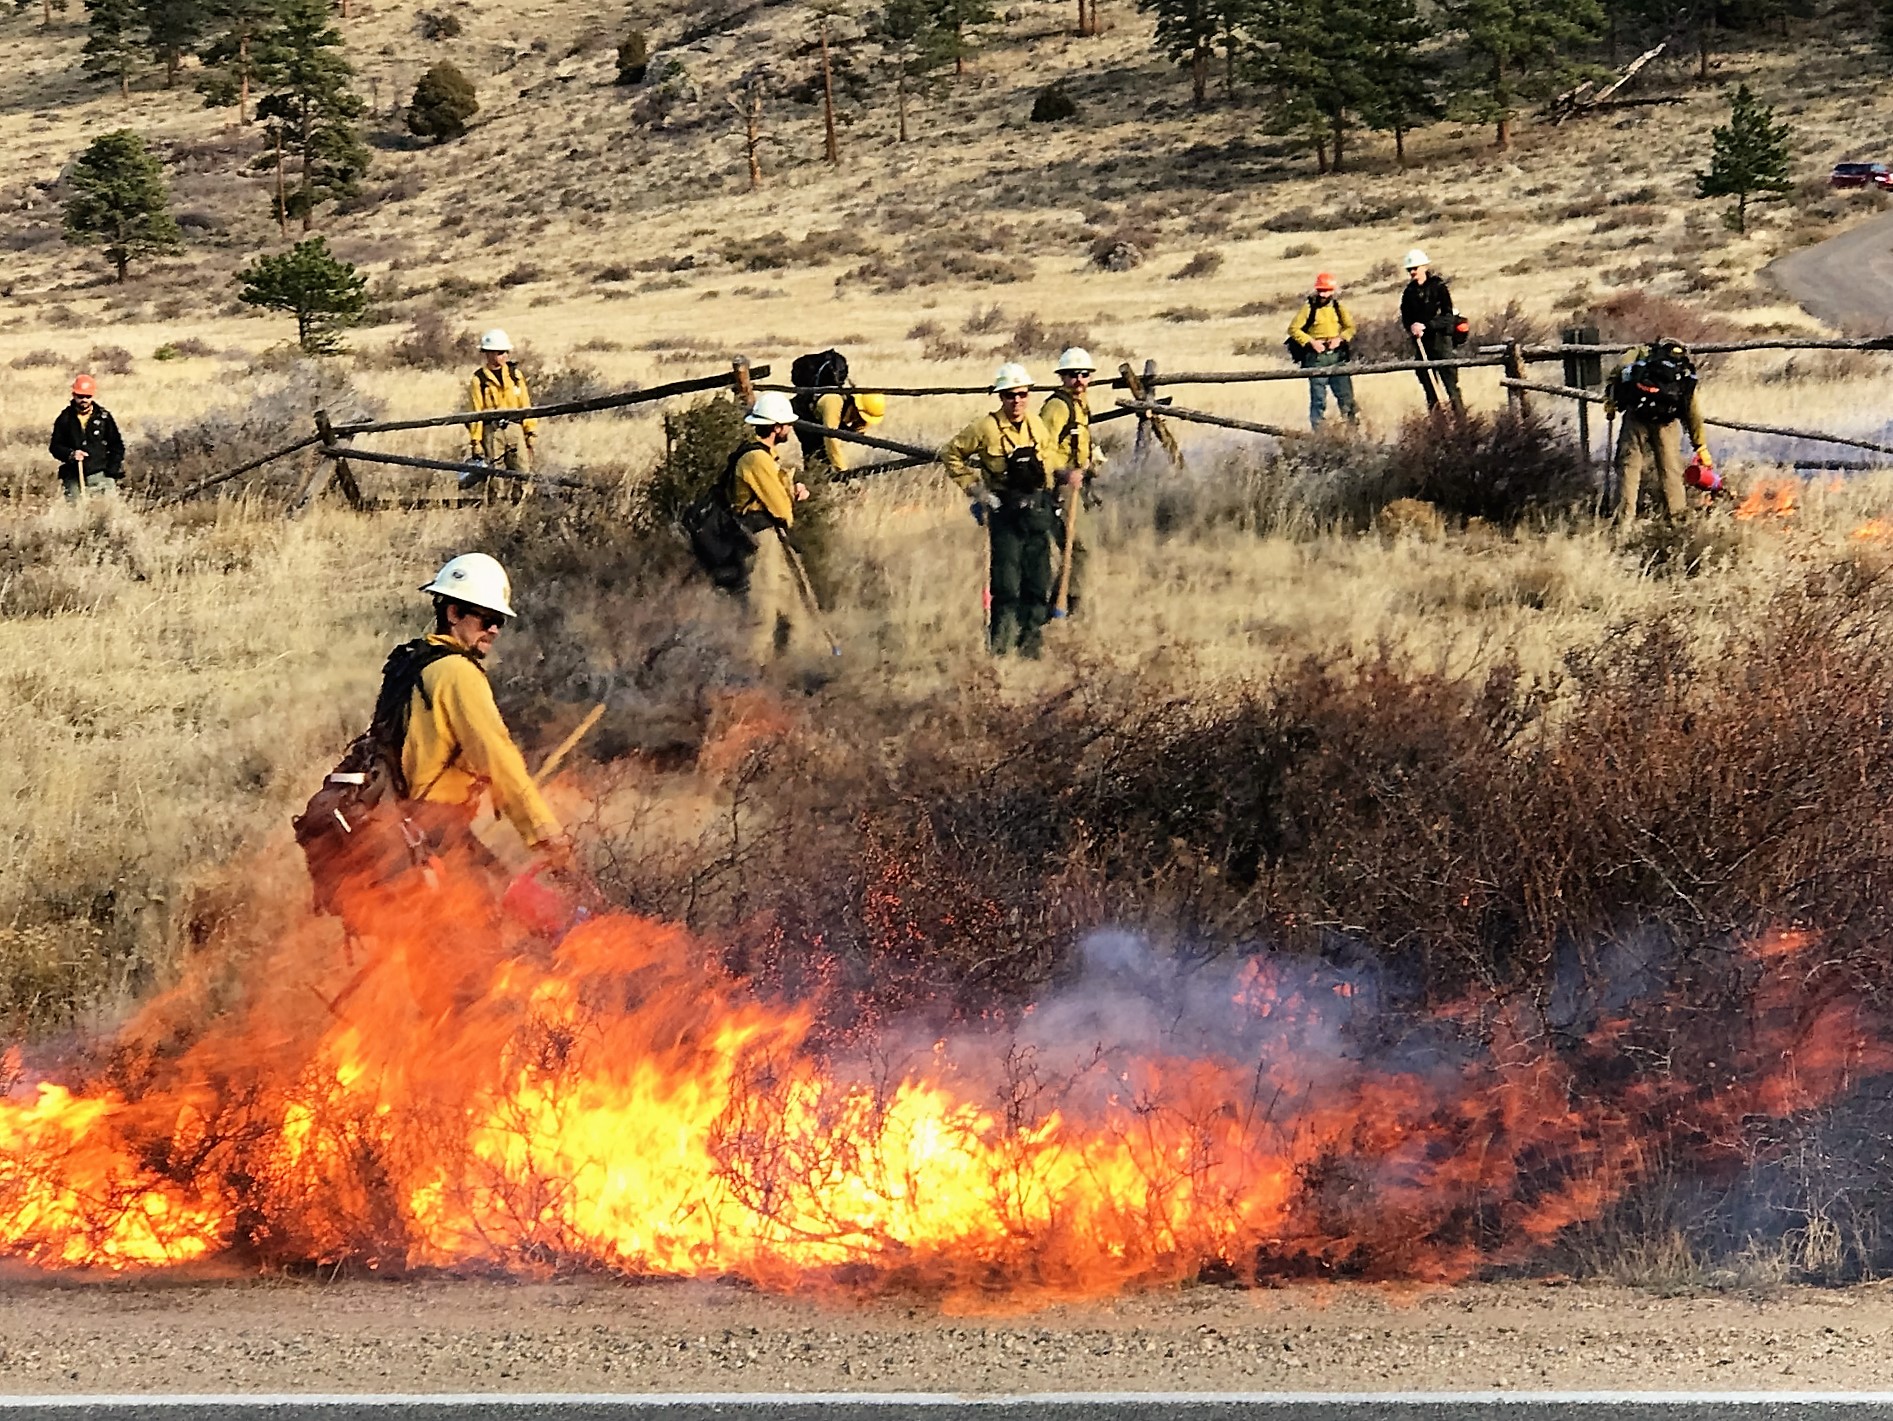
(335, 446)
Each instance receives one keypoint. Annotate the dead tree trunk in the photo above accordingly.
(831, 147)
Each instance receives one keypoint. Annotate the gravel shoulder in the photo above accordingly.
(597, 1336)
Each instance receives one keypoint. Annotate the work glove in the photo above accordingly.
(984, 501)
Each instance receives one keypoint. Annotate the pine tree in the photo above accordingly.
(309, 102)
(443, 102)
(1189, 32)
(1313, 57)
(325, 293)
(1403, 76)
(902, 23)
(119, 200)
(948, 33)
(1884, 32)
(229, 58)
(111, 41)
(172, 29)
(1750, 157)
(1519, 50)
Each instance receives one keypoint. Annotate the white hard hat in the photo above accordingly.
(1077, 358)
(771, 407)
(495, 339)
(477, 580)
(1011, 376)
(1416, 257)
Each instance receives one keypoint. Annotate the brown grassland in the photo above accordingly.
(1472, 755)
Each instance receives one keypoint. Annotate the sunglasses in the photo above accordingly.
(1015, 394)
(489, 621)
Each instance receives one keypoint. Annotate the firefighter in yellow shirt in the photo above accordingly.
(839, 410)
(1004, 462)
(1319, 338)
(498, 385)
(1067, 416)
(763, 498)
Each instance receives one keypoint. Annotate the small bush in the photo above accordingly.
(431, 342)
(439, 25)
(1295, 251)
(1206, 263)
(1053, 105)
(108, 360)
(1505, 469)
(38, 360)
(614, 271)
(634, 58)
(1035, 337)
(1633, 317)
(443, 102)
(522, 275)
(698, 442)
(984, 322)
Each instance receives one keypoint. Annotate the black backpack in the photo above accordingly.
(819, 372)
(724, 544)
(1659, 385)
(352, 828)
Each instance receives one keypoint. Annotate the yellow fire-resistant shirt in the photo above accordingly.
(457, 746)
(501, 389)
(759, 482)
(829, 410)
(1327, 321)
(1068, 420)
(977, 454)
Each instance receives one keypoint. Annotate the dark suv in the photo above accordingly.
(1861, 175)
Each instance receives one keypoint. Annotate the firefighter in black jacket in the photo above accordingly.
(1426, 310)
(87, 444)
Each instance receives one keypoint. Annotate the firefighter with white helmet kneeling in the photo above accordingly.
(1067, 416)
(498, 386)
(1004, 461)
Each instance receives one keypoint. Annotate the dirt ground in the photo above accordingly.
(601, 1336)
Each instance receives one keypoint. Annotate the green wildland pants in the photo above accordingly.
(1020, 573)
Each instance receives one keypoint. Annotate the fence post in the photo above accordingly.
(1136, 387)
(1515, 370)
(1584, 371)
(739, 374)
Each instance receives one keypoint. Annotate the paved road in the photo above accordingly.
(1846, 281)
(1277, 1406)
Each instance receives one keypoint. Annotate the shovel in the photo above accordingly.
(1426, 376)
(1073, 500)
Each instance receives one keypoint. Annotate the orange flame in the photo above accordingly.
(1873, 530)
(1771, 498)
(618, 1102)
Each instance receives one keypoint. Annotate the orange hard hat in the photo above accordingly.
(85, 385)
(1325, 282)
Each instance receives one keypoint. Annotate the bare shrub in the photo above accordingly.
(1505, 468)
(986, 322)
(275, 410)
(38, 360)
(109, 360)
(1633, 317)
(1204, 263)
(1033, 336)
(431, 342)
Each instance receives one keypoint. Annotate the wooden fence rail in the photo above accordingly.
(238, 472)
(591, 405)
(1592, 397)
(453, 466)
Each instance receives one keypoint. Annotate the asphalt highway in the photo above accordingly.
(934, 1406)
(1846, 281)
